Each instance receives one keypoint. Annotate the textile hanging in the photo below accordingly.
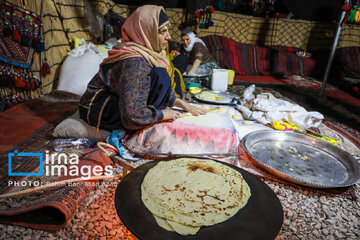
(20, 38)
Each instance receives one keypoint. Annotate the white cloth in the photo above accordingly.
(272, 109)
(193, 40)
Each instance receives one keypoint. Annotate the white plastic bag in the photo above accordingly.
(268, 111)
(80, 66)
(248, 93)
(305, 120)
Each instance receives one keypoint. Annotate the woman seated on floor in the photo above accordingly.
(132, 88)
(200, 59)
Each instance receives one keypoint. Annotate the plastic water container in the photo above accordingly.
(231, 76)
(219, 80)
(72, 143)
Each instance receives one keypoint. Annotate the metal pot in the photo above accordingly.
(196, 81)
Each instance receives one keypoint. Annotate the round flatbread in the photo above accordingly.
(209, 96)
(187, 193)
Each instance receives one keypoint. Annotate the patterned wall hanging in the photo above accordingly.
(20, 37)
(204, 16)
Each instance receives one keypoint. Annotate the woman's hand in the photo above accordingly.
(195, 66)
(170, 114)
(196, 111)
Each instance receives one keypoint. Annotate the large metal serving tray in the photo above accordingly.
(302, 159)
(226, 97)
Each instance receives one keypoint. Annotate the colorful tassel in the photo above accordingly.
(197, 14)
(16, 36)
(35, 43)
(19, 83)
(41, 47)
(45, 69)
(346, 8)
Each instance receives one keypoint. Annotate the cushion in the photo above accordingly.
(252, 59)
(75, 127)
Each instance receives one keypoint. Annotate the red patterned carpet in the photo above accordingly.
(27, 128)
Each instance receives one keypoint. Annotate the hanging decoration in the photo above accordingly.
(262, 8)
(20, 38)
(353, 12)
(204, 17)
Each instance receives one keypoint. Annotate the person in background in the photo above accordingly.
(132, 89)
(178, 64)
(200, 59)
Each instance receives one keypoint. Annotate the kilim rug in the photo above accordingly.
(27, 128)
(51, 209)
(19, 30)
(20, 37)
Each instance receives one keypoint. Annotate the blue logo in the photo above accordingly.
(16, 154)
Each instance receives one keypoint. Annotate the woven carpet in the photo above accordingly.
(27, 128)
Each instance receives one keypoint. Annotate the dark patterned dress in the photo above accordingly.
(199, 51)
(127, 94)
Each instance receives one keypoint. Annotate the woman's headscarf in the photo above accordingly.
(140, 37)
(193, 39)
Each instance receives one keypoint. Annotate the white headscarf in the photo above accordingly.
(193, 40)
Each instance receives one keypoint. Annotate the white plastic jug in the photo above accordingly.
(219, 80)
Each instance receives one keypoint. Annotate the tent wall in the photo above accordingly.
(64, 19)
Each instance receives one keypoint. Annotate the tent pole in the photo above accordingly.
(332, 53)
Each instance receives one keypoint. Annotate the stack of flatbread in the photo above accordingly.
(209, 96)
(187, 193)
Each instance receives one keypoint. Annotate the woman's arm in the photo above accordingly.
(132, 84)
(195, 66)
(189, 108)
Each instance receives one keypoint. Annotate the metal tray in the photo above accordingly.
(283, 154)
(226, 97)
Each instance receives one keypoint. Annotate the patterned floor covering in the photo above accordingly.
(28, 127)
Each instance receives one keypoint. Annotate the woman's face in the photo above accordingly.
(185, 40)
(164, 37)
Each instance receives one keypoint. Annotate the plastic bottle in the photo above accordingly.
(72, 143)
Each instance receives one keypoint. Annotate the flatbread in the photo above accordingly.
(187, 193)
(208, 120)
(209, 96)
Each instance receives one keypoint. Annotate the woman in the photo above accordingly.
(199, 56)
(132, 88)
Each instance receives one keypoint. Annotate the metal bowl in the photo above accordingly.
(202, 79)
